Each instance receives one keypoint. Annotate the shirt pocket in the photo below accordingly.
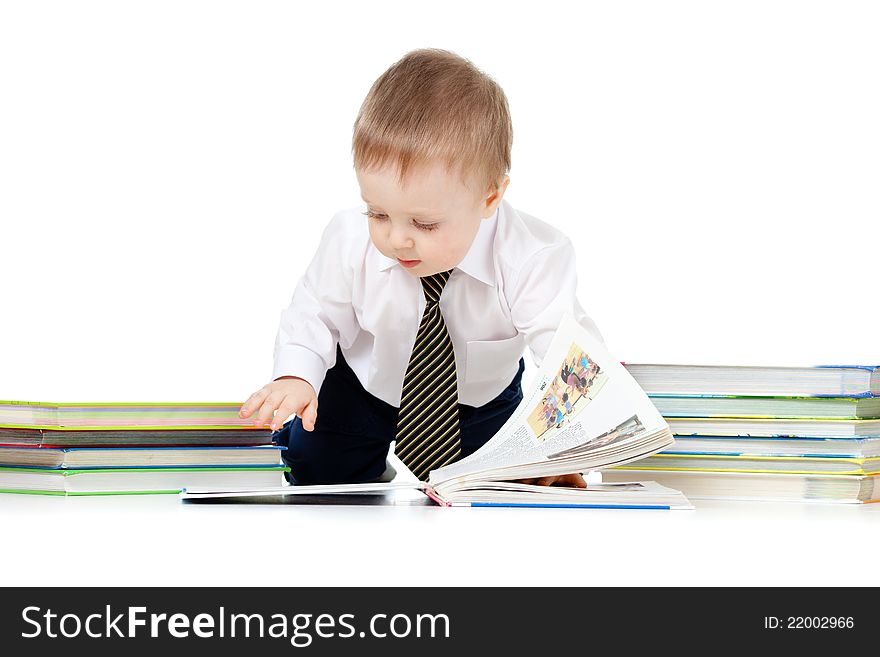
(490, 360)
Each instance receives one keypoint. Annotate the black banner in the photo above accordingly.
(319, 621)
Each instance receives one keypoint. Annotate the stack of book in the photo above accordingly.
(131, 448)
(764, 433)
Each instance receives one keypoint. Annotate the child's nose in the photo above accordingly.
(400, 239)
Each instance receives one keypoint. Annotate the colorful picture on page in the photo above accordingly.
(576, 383)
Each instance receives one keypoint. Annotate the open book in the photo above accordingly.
(583, 411)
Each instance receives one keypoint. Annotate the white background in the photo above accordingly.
(166, 169)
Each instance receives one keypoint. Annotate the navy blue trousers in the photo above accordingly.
(355, 428)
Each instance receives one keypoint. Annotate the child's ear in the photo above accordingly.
(494, 197)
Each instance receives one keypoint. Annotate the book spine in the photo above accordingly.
(436, 498)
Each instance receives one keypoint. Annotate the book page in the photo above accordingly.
(581, 400)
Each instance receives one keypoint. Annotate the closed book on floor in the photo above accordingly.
(133, 481)
(632, 495)
(748, 463)
(128, 457)
(762, 487)
(773, 427)
(857, 448)
(107, 416)
(828, 380)
(145, 437)
(776, 407)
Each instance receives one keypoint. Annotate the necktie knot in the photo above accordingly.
(433, 286)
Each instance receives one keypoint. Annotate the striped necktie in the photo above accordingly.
(427, 423)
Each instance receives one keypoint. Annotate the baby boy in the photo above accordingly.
(410, 323)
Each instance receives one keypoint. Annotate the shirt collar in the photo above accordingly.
(479, 262)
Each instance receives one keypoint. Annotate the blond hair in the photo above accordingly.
(433, 105)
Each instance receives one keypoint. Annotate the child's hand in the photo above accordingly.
(283, 397)
(574, 480)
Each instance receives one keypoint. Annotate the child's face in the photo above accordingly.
(428, 223)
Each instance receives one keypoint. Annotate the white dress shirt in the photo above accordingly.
(509, 292)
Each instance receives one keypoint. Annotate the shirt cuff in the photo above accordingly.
(294, 360)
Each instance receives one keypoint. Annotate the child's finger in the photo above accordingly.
(574, 479)
(284, 411)
(272, 402)
(310, 415)
(253, 402)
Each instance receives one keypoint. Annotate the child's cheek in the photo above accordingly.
(452, 252)
(376, 239)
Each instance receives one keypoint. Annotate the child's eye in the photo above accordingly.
(425, 226)
(382, 217)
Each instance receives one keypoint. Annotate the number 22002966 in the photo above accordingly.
(809, 622)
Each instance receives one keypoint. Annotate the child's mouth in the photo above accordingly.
(408, 263)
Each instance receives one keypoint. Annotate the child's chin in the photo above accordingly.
(420, 270)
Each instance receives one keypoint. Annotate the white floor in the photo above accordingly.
(158, 540)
